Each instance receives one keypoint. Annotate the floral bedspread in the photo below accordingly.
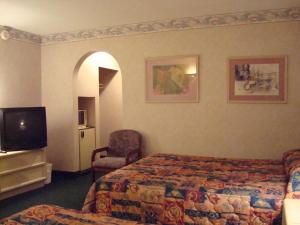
(54, 215)
(191, 190)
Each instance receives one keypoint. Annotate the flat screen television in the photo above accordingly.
(23, 128)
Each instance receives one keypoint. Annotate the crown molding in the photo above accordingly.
(228, 19)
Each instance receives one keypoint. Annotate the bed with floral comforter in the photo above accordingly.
(54, 215)
(191, 190)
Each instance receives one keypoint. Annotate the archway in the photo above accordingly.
(97, 89)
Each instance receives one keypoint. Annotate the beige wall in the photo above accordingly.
(57, 96)
(20, 74)
(212, 126)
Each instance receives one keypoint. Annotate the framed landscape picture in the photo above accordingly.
(258, 80)
(172, 79)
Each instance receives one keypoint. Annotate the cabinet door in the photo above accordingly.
(86, 147)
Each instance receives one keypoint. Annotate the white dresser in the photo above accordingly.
(21, 171)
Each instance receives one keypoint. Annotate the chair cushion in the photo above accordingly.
(110, 162)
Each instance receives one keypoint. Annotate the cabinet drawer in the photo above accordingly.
(13, 160)
(22, 177)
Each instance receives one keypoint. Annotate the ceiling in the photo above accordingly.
(45, 17)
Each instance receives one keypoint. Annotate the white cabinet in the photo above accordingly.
(21, 171)
(87, 143)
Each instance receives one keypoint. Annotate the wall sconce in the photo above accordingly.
(4, 33)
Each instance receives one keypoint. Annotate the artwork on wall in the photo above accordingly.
(257, 80)
(172, 79)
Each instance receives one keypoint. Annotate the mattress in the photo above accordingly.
(190, 190)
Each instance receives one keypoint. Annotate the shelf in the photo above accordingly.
(27, 183)
(22, 168)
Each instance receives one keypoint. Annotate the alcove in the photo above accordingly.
(98, 90)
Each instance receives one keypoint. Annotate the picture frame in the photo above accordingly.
(258, 79)
(172, 79)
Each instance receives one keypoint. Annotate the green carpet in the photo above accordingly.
(66, 190)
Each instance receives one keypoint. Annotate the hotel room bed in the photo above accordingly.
(192, 190)
(54, 215)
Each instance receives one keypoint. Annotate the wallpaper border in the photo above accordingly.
(239, 18)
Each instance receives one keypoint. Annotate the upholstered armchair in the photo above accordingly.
(124, 147)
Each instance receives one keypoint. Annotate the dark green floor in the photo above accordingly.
(66, 190)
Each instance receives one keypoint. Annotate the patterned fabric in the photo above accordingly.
(291, 160)
(190, 190)
(122, 142)
(293, 189)
(54, 215)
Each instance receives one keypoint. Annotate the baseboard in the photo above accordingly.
(68, 173)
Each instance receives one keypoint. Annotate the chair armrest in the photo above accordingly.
(105, 149)
(129, 154)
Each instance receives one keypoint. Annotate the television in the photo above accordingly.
(22, 128)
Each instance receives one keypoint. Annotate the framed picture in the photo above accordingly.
(258, 80)
(172, 79)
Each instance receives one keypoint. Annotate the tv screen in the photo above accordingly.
(23, 128)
